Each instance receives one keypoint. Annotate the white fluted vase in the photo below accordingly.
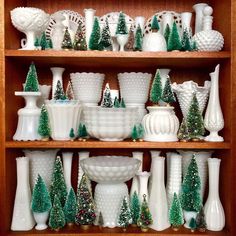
(143, 184)
(198, 8)
(214, 211)
(67, 164)
(57, 73)
(89, 19)
(135, 182)
(42, 163)
(214, 120)
(158, 200)
(22, 218)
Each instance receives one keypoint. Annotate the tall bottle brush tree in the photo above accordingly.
(155, 25)
(124, 218)
(70, 207)
(168, 94)
(121, 25)
(44, 129)
(186, 42)
(43, 41)
(135, 208)
(80, 40)
(105, 40)
(174, 42)
(95, 36)
(67, 41)
(156, 89)
(107, 101)
(138, 40)
(59, 93)
(31, 83)
(167, 33)
(183, 133)
(129, 46)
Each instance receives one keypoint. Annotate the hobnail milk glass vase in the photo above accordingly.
(158, 200)
(214, 120)
(214, 211)
(154, 42)
(57, 73)
(67, 164)
(28, 118)
(22, 219)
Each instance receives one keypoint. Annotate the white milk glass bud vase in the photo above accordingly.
(214, 120)
(135, 182)
(214, 211)
(158, 201)
(57, 73)
(89, 19)
(167, 19)
(45, 92)
(186, 21)
(67, 164)
(198, 8)
(22, 218)
(143, 184)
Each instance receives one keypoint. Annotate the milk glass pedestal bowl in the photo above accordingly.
(110, 172)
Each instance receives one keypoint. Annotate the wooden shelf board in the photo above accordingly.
(119, 59)
(122, 144)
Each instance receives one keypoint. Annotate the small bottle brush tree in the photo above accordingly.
(86, 209)
(174, 42)
(116, 103)
(194, 46)
(122, 103)
(57, 217)
(200, 220)
(43, 41)
(70, 207)
(50, 44)
(40, 198)
(168, 94)
(155, 25)
(95, 36)
(44, 129)
(69, 91)
(140, 132)
(72, 134)
(124, 218)
(80, 40)
(31, 83)
(183, 134)
(175, 213)
(129, 46)
(135, 208)
(192, 225)
(58, 185)
(195, 121)
(82, 132)
(167, 33)
(59, 93)
(105, 40)
(121, 25)
(138, 41)
(67, 42)
(190, 196)
(156, 89)
(186, 42)
(107, 101)
(100, 220)
(145, 217)
(37, 43)
(134, 134)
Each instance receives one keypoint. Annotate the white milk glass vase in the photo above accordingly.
(89, 19)
(214, 211)
(57, 73)
(140, 20)
(198, 8)
(158, 200)
(67, 164)
(22, 218)
(186, 21)
(143, 184)
(167, 19)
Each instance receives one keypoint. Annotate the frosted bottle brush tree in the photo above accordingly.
(121, 25)
(155, 25)
(167, 33)
(156, 89)
(174, 41)
(107, 101)
(124, 218)
(129, 46)
(59, 93)
(82, 132)
(105, 42)
(183, 133)
(186, 41)
(80, 40)
(135, 208)
(138, 41)
(95, 36)
(44, 129)
(67, 41)
(200, 220)
(70, 207)
(69, 92)
(31, 83)
(168, 94)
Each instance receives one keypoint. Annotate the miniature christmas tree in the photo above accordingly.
(134, 133)
(31, 83)
(105, 40)
(43, 41)
(194, 46)
(59, 93)
(174, 42)
(37, 43)
(40, 198)
(80, 40)
(192, 225)
(72, 134)
(49, 43)
(86, 209)
(156, 90)
(191, 186)
(200, 220)
(44, 129)
(124, 218)
(57, 217)
(195, 120)
(155, 25)
(106, 101)
(167, 33)
(82, 131)
(129, 46)
(121, 25)
(138, 41)
(100, 220)
(70, 207)
(145, 218)
(183, 134)
(135, 208)
(122, 103)
(67, 42)
(95, 36)
(175, 213)
(69, 91)
(140, 132)
(168, 95)
(58, 185)
(116, 103)
(186, 43)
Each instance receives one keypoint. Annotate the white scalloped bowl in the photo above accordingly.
(110, 169)
(134, 86)
(87, 87)
(110, 124)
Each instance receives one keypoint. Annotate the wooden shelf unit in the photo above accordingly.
(184, 66)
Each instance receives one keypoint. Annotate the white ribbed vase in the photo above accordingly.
(67, 164)
(57, 73)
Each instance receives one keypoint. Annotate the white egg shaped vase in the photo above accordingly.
(63, 116)
(110, 172)
(161, 124)
(154, 42)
